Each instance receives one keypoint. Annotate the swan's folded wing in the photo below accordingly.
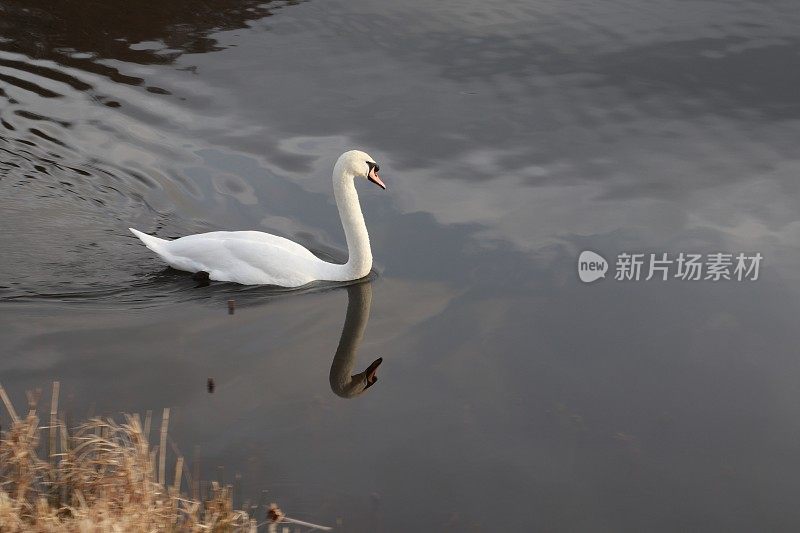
(248, 257)
(196, 253)
(272, 261)
(269, 239)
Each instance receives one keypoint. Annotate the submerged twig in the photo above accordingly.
(276, 516)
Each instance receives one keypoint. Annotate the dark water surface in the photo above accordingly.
(512, 135)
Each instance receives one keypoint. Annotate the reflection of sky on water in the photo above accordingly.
(512, 137)
(663, 128)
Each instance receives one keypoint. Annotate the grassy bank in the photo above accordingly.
(102, 475)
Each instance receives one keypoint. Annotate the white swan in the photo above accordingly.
(257, 258)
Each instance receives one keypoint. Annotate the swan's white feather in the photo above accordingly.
(247, 257)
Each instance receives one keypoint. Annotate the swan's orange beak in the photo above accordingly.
(374, 178)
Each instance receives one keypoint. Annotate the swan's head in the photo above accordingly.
(360, 164)
(359, 383)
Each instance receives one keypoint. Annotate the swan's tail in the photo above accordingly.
(154, 243)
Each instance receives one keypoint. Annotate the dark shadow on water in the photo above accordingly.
(113, 30)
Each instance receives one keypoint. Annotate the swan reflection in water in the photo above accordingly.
(343, 382)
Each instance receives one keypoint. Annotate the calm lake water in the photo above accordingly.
(512, 135)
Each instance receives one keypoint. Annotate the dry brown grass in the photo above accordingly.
(100, 476)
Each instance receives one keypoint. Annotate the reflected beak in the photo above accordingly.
(374, 178)
(372, 372)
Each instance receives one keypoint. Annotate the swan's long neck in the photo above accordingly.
(359, 260)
